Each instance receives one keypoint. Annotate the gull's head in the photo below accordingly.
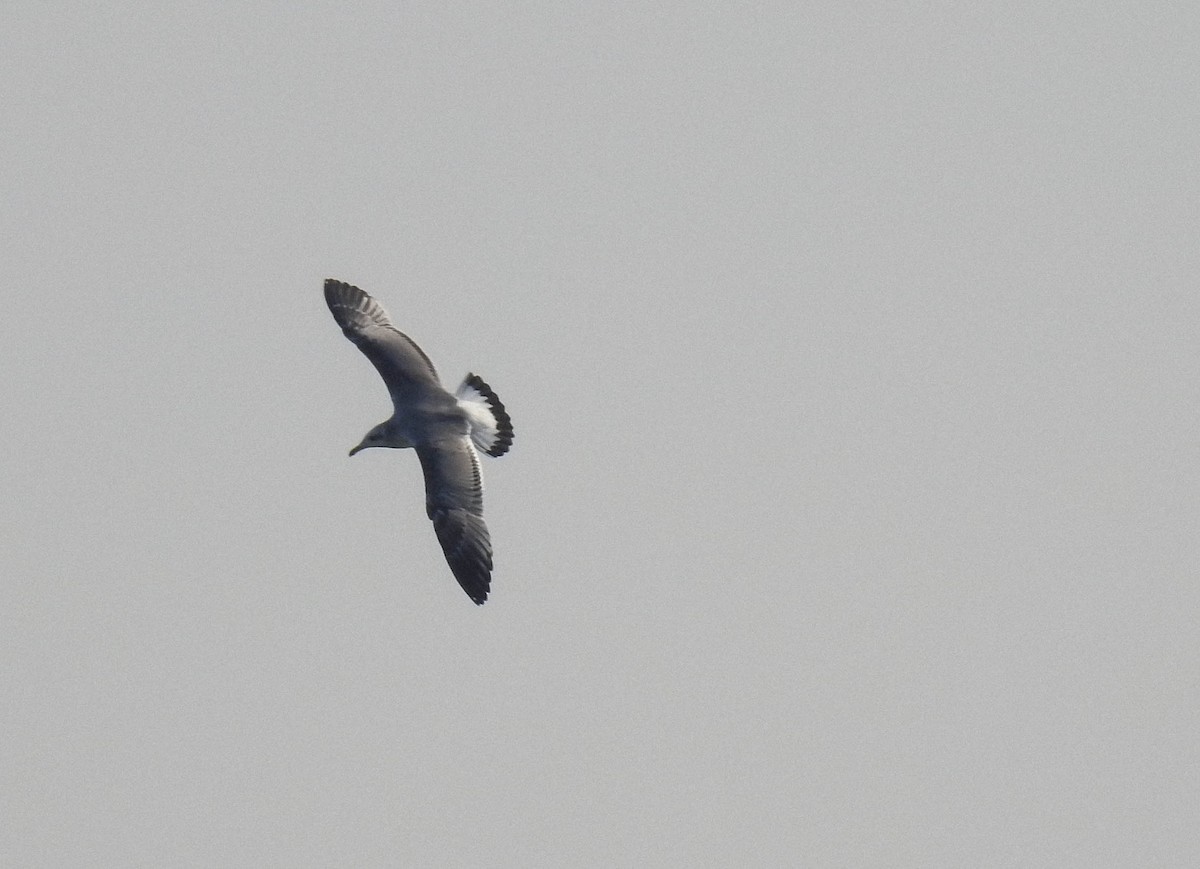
(376, 437)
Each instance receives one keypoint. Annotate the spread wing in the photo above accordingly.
(402, 364)
(454, 501)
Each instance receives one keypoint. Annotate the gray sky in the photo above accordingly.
(852, 514)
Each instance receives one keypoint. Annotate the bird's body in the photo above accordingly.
(443, 428)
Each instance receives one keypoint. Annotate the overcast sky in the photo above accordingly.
(852, 517)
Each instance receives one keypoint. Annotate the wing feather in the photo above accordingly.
(454, 501)
(402, 364)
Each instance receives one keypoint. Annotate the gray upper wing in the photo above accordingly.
(454, 501)
(402, 364)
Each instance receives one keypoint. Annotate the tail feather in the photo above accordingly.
(491, 429)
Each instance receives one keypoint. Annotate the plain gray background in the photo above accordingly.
(852, 514)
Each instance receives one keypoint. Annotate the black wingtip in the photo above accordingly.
(340, 294)
(468, 548)
(336, 290)
(474, 578)
(477, 596)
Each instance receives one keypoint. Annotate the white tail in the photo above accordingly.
(491, 429)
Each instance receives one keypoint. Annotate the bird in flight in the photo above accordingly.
(444, 429)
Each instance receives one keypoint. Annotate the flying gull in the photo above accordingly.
(444, 429)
